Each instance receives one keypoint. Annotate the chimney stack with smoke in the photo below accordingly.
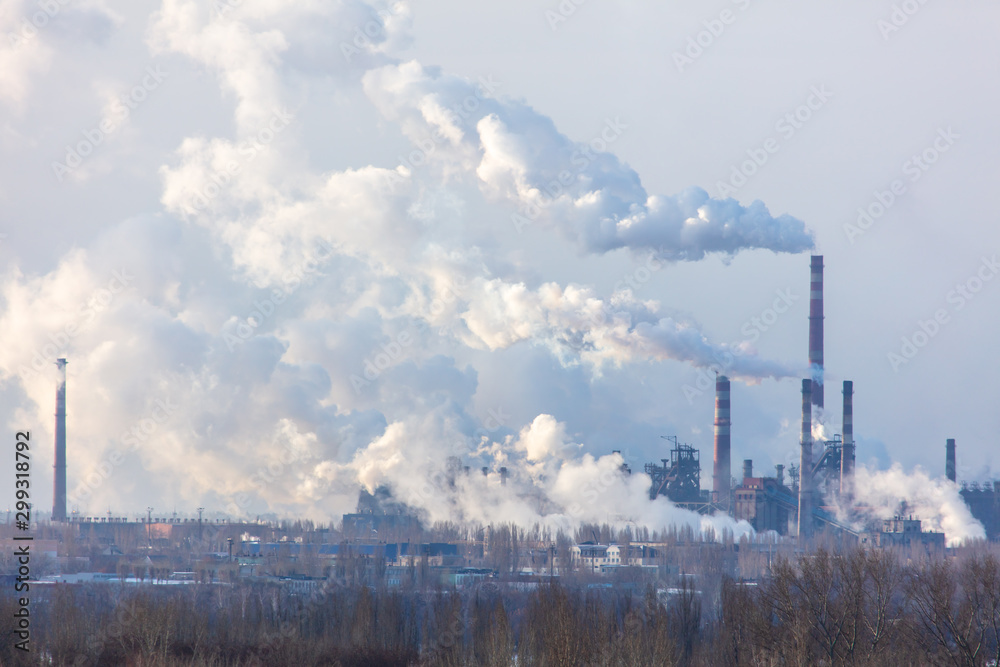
(722, 470)
(847, 450)
(816, 328)
(59, 495)
(949, 459)
(805, 464)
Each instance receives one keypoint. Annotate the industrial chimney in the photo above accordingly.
(59, 492)
(722, 470)
(949, 459)
(816, 328)
(847, 450)
(805, 464)
(747, 469)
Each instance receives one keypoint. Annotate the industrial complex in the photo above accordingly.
(818, 492)
(812, 496)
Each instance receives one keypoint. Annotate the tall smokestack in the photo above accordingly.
(816, 328)
(949, 459)
(847, 450)
(747, 468)
(805, 463)
(722, 470)
(59, 493)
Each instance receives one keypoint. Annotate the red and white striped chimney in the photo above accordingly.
(722, 470)
(816, 328)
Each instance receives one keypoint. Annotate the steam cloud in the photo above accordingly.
(549, 482)
(935, 501)
(217, 337)
(588, 195)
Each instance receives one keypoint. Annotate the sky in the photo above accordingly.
(294, 249)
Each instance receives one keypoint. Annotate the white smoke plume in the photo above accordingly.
(587, 194)
(549, 482)
(575, 323)
(935, 501)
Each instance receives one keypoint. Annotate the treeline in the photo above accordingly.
(825, 608)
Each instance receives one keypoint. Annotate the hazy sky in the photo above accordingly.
(349, 240)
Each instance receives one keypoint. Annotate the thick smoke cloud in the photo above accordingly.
(936, 502)
(549, 482)
(214, 343)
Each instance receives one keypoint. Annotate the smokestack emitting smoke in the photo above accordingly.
(59, 493)
(816, 328)
(805, 463)
(847, 450)
(949, 459)
(722, 469)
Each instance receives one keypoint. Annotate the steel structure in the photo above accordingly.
(679, 478)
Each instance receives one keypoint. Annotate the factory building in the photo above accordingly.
(984, 503)
(602, 558)
(764, 502)
(902, 532)
(821, 486)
